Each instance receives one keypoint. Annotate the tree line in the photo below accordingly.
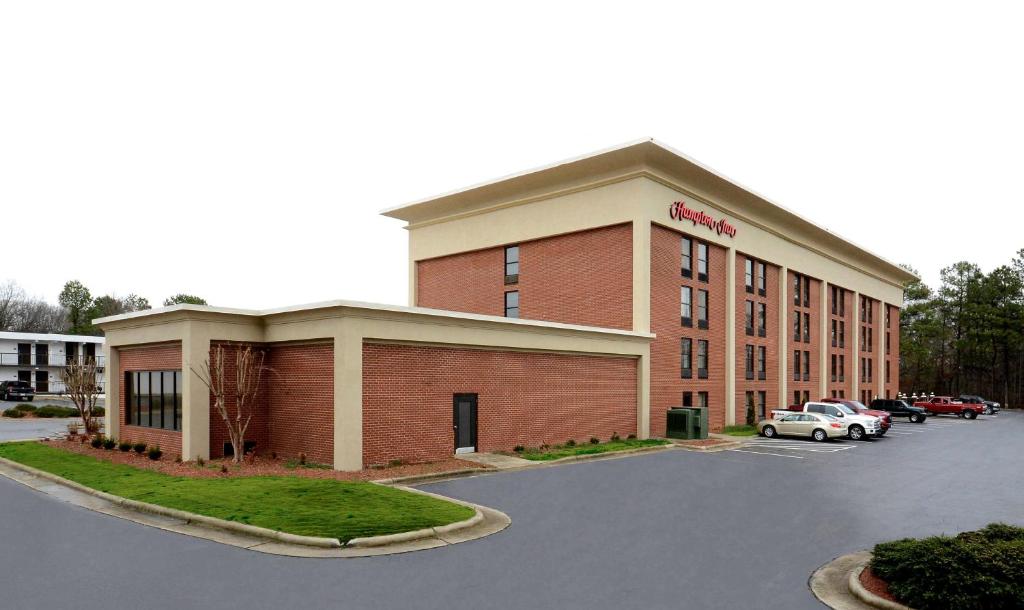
(74, 311)
(966, 336)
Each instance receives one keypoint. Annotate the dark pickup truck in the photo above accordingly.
(16, 390)
(900, 408)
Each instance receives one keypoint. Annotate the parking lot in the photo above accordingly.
(671, 529)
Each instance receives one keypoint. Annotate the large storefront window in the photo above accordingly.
(153, 399)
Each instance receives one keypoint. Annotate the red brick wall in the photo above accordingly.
(524, 399)
(166, 357)
(845, 386)
(770, 384)
(257, 430)
(812, 386)
(667, 385)
(578, 278)
(871, 323)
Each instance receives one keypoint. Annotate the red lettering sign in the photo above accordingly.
(679, 211)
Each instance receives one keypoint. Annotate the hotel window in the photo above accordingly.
(834, 393)
(796, 326)
(888, 318)
(512, 304)
(702, 262)
(842, 333)
(686, 305)
(863, 369)
(842, 367)
(807, 366)
(807, 292)
(834, 369)
(835, 326)
(686, 347)
(762, 320)
(687, 399)
(750, 402)
(871, 339)
(842, 305)
(762, 279)
(749, 362)
(887, 377)
(871, 368)
(762, 403)
(888, 342)
(796, 365)
(687, 266)
(749, 317)
(796, 397)
(807, 396)
(835, 301)
(702, 359)
(807, 328)
(153, 399)
(702, 400)
(702, 308)
(842, 394)
(762, 364)
(749, 276)
(511, 264)
(796, 289)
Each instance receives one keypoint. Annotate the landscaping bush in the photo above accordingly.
(124, 446)
(98, 411)
(26, 408)
(615, 437)
(96, 442)
(155, 453)
(139, 448)
(570, 443)
(594, 440)
(14, 413)
(54, 411)
(109, 443)
(519, 449)
(631, 437)
(971, 571)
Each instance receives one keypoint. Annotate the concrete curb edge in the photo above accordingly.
(861, 593)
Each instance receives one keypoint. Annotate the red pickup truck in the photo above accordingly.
(944, 404)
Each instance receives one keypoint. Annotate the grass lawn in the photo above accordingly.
(740, 430)
(309, 507)
(561, 451)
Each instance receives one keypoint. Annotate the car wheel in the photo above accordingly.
(915, 418)
(970, 415)
(30, 398)
(988, 410)
(856, 432)
(768, 432)
(819, 435)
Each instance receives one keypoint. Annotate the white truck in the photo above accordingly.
(860, 427)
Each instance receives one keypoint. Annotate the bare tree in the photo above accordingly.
(236, 413)
(79, 377)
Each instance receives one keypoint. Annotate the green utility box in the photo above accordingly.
(686, 423)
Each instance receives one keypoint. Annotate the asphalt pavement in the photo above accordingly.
(672, 529)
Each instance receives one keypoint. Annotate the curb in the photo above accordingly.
(868, 597)
(269, 534)
(837, 585)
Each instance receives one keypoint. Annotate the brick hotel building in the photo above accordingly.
(579, 299)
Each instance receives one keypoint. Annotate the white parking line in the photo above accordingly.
(790, 446)
(799, 457)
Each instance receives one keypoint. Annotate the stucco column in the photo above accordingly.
(195, 408)
(112, 390)
(642, 276)
(855, 365)
(412, 282)
(348, 398)
(784, 305)
(730, 337)
(824, 342)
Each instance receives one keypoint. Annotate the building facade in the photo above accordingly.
(580, 299)
(38, 358)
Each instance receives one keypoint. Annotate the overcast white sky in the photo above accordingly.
(242, 150)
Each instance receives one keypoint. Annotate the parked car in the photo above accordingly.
(900, 408)
(859, 407)
(859, 427)
(16, 390)
(992, 407)
(818, 426)
(944, 404)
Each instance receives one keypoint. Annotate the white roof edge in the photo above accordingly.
(670, 149)
(50, 337)
(377, 307)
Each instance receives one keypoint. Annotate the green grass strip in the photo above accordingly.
(309, 507)
(562, 451)
(740, 430)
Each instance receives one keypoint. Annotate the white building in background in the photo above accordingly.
(39, 357)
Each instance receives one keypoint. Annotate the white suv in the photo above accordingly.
(859, 426)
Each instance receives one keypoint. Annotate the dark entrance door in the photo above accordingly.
(42, 355)
(42, 382)
(70, 352)
(24, 354)
(465, 423)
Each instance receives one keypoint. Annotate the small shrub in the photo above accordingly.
(273, 455)
(395, 463)
(14, 413)
(519, 449)
(139, 448)
(98, 411)
(124, 446)
(570, 443)
(83, 438)
(155, 453)
(109, 443)
(26, 408)
(615, 437)
(50, 411)
(97, 441)
(302, 459)
(93, 427)
(545, 447)
(223, 468)
(631, 437)
(594, 440)
(177, 458)
(73, 429)
(200, 461)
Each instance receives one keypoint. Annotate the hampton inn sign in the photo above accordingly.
(679, 211)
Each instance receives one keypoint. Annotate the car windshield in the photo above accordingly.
(857, 405)
(844, 408)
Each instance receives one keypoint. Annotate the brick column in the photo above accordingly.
(730, 337)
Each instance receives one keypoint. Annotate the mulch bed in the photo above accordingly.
(876, 585)
(257, 465)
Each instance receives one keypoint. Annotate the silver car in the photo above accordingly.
(818, 426)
